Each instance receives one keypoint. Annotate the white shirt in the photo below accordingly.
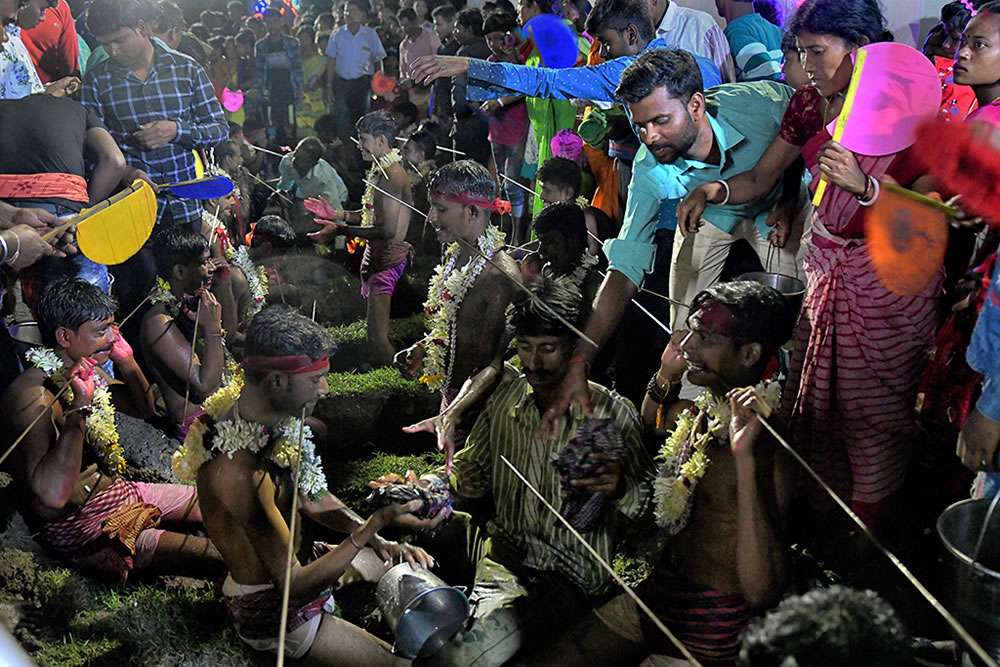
(355, 54)
(18, 77)
(697, 32)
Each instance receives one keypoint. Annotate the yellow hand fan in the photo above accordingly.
(115, 229)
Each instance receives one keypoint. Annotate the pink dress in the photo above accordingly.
(859, 348)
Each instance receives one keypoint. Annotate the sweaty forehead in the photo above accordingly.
(713, 318)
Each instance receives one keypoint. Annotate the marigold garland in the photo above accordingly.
(446, 291)
(683, 454)
(101, 431)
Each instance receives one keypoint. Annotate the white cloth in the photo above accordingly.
(355, 54)
(18, 77)
(697, 32)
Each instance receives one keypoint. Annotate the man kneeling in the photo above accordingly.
(722, 496)
(68, 465)
(247, 497)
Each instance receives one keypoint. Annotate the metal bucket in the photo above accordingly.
(422, 610)
(791, 288)
(973, 580)
(26, 335)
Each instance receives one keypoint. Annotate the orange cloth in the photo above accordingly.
(602, 166)
(42, 186)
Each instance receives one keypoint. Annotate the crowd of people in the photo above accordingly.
(593, 326)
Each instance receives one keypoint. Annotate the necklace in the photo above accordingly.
(208, 436)
(684, 456)
(101, 431)
(256, 278)
(368, 198)
(446, 290)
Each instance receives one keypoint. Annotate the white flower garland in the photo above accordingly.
(368, 198)
(237, 434)
(101, 431)
(683, 453)
(256, 277)
(445, 292)
(575, 279)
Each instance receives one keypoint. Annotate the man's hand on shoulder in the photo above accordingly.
(156, 134)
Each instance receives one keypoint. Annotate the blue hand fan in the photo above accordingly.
(209, 187)
(555, 39)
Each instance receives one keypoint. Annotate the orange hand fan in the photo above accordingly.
(906, 235)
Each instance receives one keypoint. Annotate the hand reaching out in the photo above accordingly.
(320, 208)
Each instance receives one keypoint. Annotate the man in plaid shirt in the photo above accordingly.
(158, 104)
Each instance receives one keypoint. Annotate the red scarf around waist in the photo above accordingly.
(44, 186)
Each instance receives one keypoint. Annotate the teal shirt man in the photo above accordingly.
(745, 118)
(756, 46)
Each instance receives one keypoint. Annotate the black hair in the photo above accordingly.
(378, 123)
(529, 318)
(458, 178)
(326, 126)
(989, 7)
(363, 5)
(227, 148)
(675, 69)
(788, 43)
(406, 13)
(169, 16)
(199, 30)
(408, 109)
(857, 22)
(828, 627)
(306, 27)
(761, 313)
(426, 142)
(247, 37)
(274, 229)
(107, 16)
(545, 6)
(956, 15)
(565, 217)
(313, 145)
(499, 22)
(445, 12)
(768, 10)
(70, 303)
(500, 6)
(279, 331)
(562, 173)
(176, 244)
(619, 14)
(472, 19)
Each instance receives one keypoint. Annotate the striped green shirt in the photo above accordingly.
(507, 427)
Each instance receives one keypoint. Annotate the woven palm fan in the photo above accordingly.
(113, 230)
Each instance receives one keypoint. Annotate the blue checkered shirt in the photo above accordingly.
(177, 89)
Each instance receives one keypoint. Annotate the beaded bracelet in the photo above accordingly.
(656, 393)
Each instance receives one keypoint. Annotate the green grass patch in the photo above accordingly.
(351, 481)
(631, 569)
(403, 330)
(381, 380)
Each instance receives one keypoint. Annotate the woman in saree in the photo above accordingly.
(314, 71)
(859, 348)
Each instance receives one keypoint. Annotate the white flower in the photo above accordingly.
(45, 359)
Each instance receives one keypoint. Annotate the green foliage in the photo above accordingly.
(402, 331)
(632, 570)
(351, 481)
(386, 381)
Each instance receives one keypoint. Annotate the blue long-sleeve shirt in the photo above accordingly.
(490, 80)
(984, 350)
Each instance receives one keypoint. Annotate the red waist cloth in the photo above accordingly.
(258, 615)
(707, 621)
(43, 186)
(381, 255)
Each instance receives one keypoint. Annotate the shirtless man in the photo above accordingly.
(247, 499)
(726, 557)
(383, 225)
(462, 356)
(67, 467)
(183, 262)
(561, 231)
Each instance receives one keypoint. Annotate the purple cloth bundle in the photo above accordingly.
(583, 509)
(435, 496)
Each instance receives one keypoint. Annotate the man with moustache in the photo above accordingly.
(689, 137)
(66, 469)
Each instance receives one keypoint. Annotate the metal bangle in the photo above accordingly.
(357, 546)
(3, 244)
(728, 193)
(17, 252)
(875, 184)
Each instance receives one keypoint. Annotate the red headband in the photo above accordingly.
(717, 318)
(500, 206)
(290, 364)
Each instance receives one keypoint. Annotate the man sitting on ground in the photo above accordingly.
(561, 232)
(67, 467)
(247, 495)
(382, 222)
(534, 577)
(180, 297)
(722, 495)
(467, 298)
(270, 240)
